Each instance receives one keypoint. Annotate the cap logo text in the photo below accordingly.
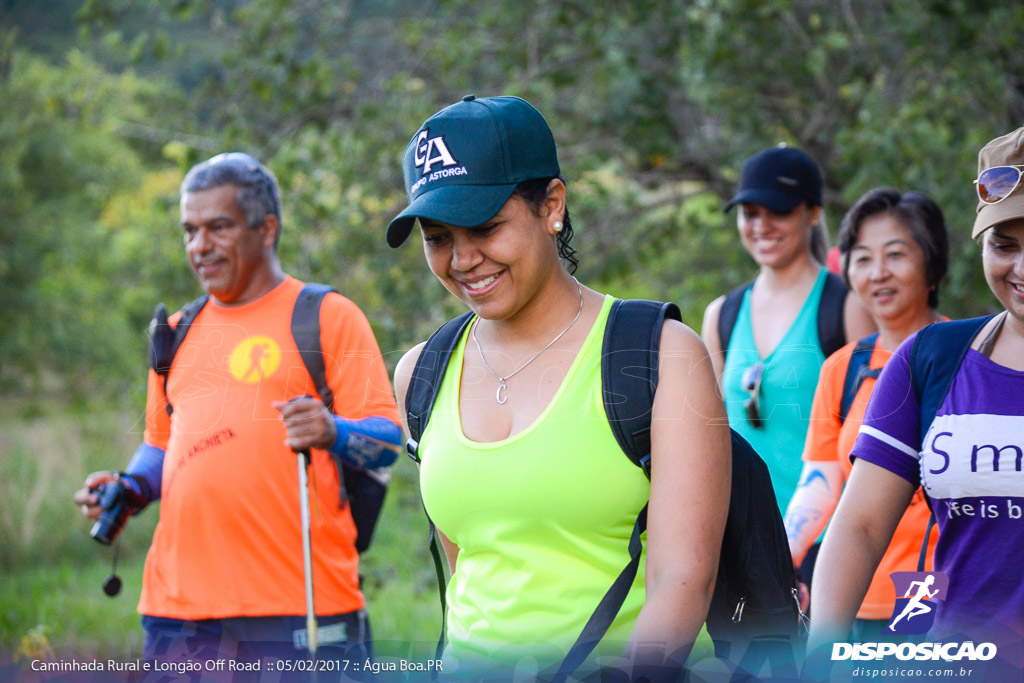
(430, 151)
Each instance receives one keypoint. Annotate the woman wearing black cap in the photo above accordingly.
(769, 338)
(532, 493)
(947, 415)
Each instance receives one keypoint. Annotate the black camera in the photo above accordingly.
(118, 501)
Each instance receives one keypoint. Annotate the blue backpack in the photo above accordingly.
(939, 350)
(935, 357)
(856, 372)
(755, 591)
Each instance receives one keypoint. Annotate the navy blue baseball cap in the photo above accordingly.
(465, 161)
(780, 179)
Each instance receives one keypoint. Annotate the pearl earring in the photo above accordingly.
(557, 226)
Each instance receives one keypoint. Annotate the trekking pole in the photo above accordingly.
(307, 554)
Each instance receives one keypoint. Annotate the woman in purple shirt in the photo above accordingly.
(968, 462)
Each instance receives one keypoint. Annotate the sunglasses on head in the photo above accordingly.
(997, 183)
(751, 381)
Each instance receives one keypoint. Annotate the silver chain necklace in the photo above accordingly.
(501, 396)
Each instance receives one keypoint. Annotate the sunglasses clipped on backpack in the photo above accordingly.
(751, 381)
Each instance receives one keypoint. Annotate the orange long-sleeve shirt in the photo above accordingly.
(828, 440)
(228, 542)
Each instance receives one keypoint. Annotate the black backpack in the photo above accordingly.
(755, 597)
(831, 325)
(364, 489)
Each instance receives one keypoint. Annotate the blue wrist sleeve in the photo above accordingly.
(147, 465)
(368, 443)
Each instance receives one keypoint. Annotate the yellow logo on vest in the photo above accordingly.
(254, 359)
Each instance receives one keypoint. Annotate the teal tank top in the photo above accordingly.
(787, 390)
(542, 521)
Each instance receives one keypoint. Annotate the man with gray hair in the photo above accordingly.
(228, 407)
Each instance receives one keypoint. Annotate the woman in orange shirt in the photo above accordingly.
(894, 254)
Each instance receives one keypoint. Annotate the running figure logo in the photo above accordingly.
(915, 610)
(254, 359)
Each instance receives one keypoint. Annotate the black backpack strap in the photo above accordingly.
(426, 378)
(728, 314)
(935, 358)
(161, 339)
(831, 321)
(629, 379)
(924, 543)
(306, 333)
(629, 372)
(188, 316)
(166, 340)
(420, 396)
(435, 554)
(609, 606)
(363, 489)
(756, 584)
(857, 371)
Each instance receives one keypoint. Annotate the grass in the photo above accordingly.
(63, 610)
(51, 601)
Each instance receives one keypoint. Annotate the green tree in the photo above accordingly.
(880, 93)
(655, 106)
(63, 280)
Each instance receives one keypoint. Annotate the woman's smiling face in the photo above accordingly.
(773, 239)
(1003, 260)
(887, 269)
(495, 268)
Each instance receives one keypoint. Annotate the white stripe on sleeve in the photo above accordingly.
(886, 439)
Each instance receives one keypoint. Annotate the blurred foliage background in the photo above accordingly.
(654, 103)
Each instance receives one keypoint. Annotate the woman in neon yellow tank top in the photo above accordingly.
(519, 469)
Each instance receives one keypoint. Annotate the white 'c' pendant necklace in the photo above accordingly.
(501, 395)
